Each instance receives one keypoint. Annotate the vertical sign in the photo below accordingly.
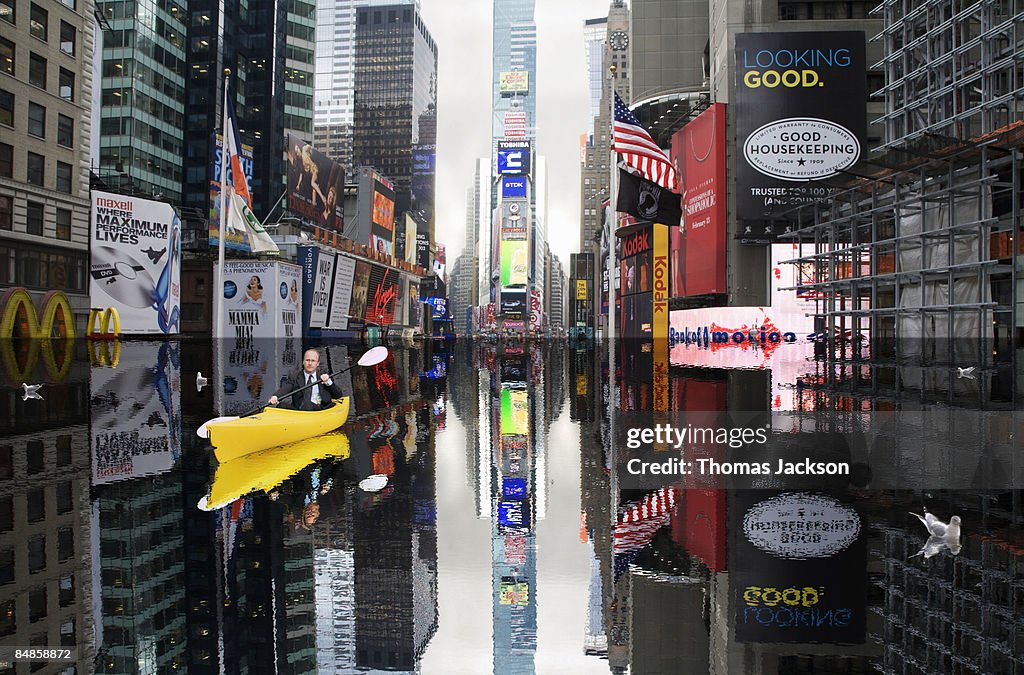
(341, 296)
(320, 300)
(659, 321)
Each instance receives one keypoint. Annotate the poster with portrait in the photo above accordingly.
(382, 217)
(360, 284)
(316, 186)
(262, 299)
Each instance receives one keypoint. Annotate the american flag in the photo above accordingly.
(639, 150)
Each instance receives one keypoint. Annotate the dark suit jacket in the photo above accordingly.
(301, 400)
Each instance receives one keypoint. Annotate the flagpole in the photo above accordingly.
(218, 317)
(612, 219)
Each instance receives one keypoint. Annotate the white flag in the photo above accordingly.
(242, 219)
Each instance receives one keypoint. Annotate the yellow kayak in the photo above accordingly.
(235, 437)
(266, 469)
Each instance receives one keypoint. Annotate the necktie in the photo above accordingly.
(314, 392)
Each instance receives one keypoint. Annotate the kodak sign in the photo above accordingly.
(659, 321)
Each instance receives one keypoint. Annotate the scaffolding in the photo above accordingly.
(952, 67)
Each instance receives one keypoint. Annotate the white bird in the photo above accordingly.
(200, 382)
(965, 372)
(31, 391)
(940, 535)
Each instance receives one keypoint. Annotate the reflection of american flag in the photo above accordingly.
(640, 521)
(639, 150)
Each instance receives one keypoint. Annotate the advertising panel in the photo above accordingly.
(316, 186)
(536, 309)
(698, 152)
(514, 591)
(513, 186)
(515, 124)
(262, 299)
(415, 306)
(799, 119)
(514, 220)
(381, 295)
(659, 318)
(320, 294)
(581, 289)
(382, 216)
(410, 239)
(424, 164)
(439, 307)
(513, 304)
(360, 285)
(514, 259)
(234, 240)
(135, 426)
(513, 488)
(423, 249)
(341, 294)
(799, 569)
(135, 262)
(515, 412)
(513, 82)
(514, 158)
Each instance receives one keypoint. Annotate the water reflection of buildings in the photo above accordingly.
(46, 587)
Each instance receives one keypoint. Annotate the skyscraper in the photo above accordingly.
(514, 48)
(335, 75)
(395, 94)
(45, 101)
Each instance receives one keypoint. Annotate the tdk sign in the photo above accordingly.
(513, 186)
(514, 158)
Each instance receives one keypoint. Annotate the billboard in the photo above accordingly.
(135, 425)
(341, 292)
(513, 186)
(316, 185)
(262, 299)
(135, 262)
(536, 309)
(698, 245)
(233, 240)
(381, 295)
(513, 158)
(382, 216)
(513, 303)
(513, 82)
(515, 124)
(514, 220)
(514, 260)
(410, 239)
(581, 289)
(320, 291)
(360, 285)
(799, 119)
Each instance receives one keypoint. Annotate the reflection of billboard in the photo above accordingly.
(248, 370)
(513, 514)
(135, 262)
(515, 412)
(262, 298)
(513, 591)
(514, 263)
(514, 82)
(381, 295)
(135, 428)
(513, 488)
(316, 186)
(798, 569)
(698, 151)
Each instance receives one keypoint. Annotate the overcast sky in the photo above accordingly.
(462, 30)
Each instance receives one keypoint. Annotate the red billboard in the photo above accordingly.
(698, 255)
(381, 296)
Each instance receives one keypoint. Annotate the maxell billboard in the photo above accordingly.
(135, 262)
(800, 119)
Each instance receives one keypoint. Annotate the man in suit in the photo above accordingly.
(313, 398)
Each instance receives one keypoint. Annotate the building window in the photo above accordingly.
(66, 85)
(37, 553)
(69, 3)
(37, 70)
(63, 183)
(38, 21)
(67, 589)
(7, 10)
(6, 514)
(35, 170)
(6, 161)
(65, 131)
(6, 56)
(36, 120)
(6, 108)
(6, 565)
(35, 505)
(6, 223)
(63, 223)
(65, 497)
(65, 543)
(67, 38)
(6, 461)
(34, 225)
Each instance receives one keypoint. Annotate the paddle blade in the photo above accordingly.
(373, 483)
(373, 356)
(204, 504)
(204, 432)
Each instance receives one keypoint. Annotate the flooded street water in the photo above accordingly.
(509, 537)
